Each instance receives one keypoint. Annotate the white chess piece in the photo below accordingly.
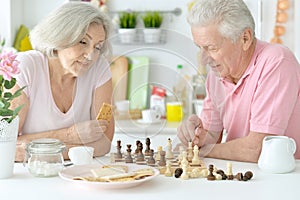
(229, 168)
(190, 151)
(196, 160)
(157, 157)
(168, 171)
(229, 171)
(184, 174)
(169, 153)
(181, 149)
(184, 160)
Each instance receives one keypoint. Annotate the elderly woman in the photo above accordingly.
(67, 79)
(253, 88)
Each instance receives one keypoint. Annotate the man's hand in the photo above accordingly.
(186, 130)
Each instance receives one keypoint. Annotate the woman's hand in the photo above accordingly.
(87, 132)
(186, 130)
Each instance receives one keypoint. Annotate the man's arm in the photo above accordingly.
(246, 149)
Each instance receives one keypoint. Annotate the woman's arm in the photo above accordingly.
(103, 94)
(95, 133)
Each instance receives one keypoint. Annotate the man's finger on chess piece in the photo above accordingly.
(186, 130)
(200, 136)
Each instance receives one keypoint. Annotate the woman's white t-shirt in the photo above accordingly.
(43, 114)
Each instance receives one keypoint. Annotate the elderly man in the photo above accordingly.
(253, 87)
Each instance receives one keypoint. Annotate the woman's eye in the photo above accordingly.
(98, 47)
(83, 42)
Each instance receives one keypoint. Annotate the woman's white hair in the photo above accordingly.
(232, 16)
(66, 26)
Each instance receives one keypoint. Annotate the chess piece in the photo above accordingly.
(211, 176)
(178, 172)
(162, 161)
(118, 154)
(159, 149)
(169, 153)
(151, 160)
(168, 171)
(179, 157)
(218, 176)
(229, 171)
(196, 160)
(184, 160)
(222, 173)
(184, 174)
(195, 173)
(137, 146)
(204, 173)
(128, 158)
(140, 156)
(190, 151)
(147, 150)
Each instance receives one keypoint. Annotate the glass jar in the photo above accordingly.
(45, 157)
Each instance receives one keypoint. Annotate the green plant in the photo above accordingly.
(128, 19)
(152, 19)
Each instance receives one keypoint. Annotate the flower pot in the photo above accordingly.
(8, 139)
(127, 36)
(152, 35)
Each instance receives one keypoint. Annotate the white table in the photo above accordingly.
(263, 186)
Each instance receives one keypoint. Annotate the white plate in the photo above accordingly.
(141, 121)
(85, 170)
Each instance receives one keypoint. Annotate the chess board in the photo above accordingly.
(159, 159)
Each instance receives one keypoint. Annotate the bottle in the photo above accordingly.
(181, 89)
(45, 157)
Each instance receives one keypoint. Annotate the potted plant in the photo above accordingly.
(9, 121)
(152, 22)
(127, 26)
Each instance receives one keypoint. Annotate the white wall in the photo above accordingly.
(29, 12)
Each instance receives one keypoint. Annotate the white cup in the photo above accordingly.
(150, 115)
(123, 105)
(81, 155)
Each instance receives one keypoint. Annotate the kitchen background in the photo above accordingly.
(175, 47)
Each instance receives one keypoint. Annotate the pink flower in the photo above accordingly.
(8, 65)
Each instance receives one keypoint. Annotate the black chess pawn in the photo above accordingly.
(151, 160)
(128, 158)
(211, 176)
(137, 146)
(140, 156)
(162, 161)
(119, 154)
(147, 150)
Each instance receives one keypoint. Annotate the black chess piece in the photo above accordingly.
(119, 154)
(162, 161)
(137, 146)
(140, 156)
(147, 150)
(210, 176)
(151, 160)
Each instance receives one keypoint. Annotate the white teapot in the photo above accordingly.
(277, 155)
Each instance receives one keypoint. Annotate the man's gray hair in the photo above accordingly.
(231, 16)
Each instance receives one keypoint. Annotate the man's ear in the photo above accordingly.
(247, 38)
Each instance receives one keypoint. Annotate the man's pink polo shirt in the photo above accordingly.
(266, 99)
